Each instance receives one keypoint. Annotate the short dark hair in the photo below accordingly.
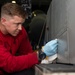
(13, 9)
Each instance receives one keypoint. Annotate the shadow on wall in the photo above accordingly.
(37, 29)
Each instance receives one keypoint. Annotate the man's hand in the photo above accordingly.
(50, 48)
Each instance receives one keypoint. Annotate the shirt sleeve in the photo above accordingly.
(10, 63)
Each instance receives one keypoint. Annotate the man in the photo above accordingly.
(14, 39)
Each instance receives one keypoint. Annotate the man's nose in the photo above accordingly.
(20, 26)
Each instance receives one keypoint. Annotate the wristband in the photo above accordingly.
(42, 55)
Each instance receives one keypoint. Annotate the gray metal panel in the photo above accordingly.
(62, 25)
(48, 25)
(58, 17)
(68, 54)
(71, 29)
(63, 51)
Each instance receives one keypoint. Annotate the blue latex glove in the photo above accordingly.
(50, 48)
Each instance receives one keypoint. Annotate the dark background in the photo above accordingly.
(35, 4)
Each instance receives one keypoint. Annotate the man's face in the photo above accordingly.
(13, 25)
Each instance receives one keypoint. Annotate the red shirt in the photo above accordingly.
(9, 46)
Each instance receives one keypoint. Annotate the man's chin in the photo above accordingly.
(14, 34)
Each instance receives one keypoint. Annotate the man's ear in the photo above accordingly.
(3, 20)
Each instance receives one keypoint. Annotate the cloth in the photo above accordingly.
(49, 59)
(9, 45)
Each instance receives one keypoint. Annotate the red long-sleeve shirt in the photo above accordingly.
(9, 45)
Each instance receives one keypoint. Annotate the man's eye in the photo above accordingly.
(16, 23)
